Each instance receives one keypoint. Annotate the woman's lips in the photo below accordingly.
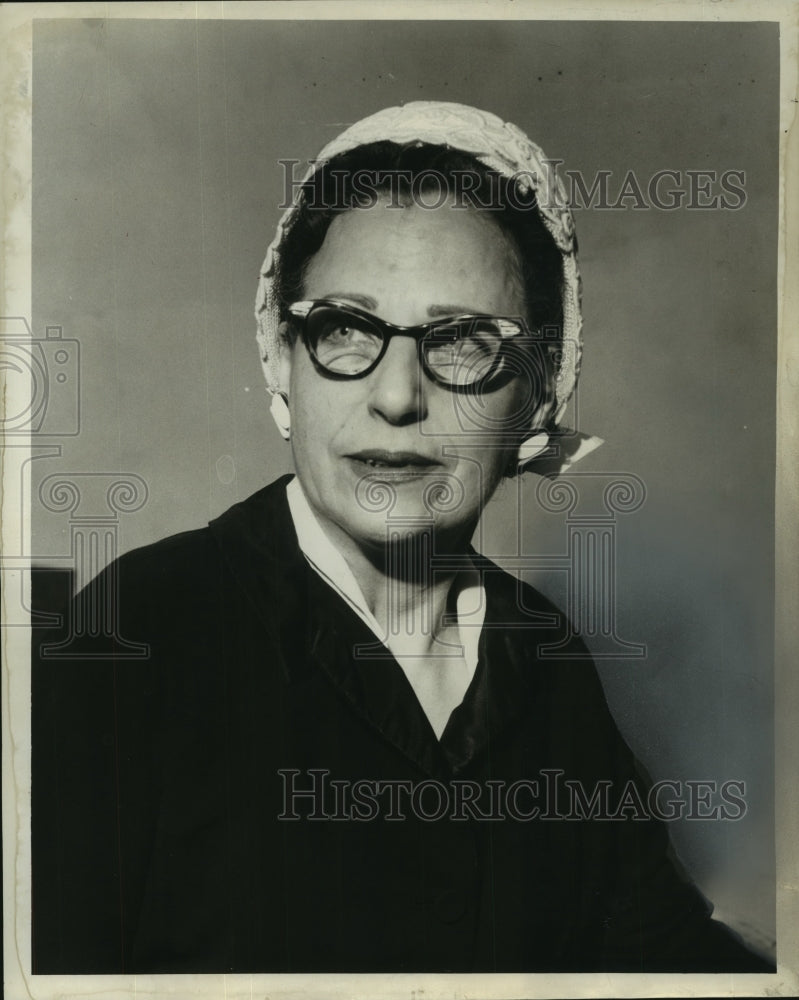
(379, 458)
(393, 464)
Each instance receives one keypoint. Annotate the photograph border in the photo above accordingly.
(15, 83)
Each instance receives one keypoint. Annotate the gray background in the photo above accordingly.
(156, 188)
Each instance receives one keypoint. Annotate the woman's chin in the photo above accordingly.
(390, 507)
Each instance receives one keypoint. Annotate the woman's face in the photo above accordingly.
(445, 452)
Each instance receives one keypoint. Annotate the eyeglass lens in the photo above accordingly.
(459, 353)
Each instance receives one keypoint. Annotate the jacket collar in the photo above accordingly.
(259, 546)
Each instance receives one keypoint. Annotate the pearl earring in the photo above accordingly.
(279, 408)
(531, 448)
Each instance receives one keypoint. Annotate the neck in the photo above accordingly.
(407, 598)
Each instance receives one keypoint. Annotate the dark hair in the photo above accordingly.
(354, 179)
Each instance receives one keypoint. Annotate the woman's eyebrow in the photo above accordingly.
(452, 310)
(365, 301)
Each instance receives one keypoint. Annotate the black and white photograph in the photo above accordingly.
(398, 567)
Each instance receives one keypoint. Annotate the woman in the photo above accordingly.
(345, 751)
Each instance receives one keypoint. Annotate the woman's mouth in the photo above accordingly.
(381, 460)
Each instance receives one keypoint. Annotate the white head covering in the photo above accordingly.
(498, 145)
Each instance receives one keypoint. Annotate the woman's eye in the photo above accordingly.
(477, 344)
(347, 349)
(459, 347)
(346, 335)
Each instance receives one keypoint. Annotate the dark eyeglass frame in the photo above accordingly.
(515, 330)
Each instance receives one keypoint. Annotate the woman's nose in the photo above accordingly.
(397, 391)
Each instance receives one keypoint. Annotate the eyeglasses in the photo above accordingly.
(459, 352)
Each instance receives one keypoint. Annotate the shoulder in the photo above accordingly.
(188, 555)
(152, 584)
(192, 559)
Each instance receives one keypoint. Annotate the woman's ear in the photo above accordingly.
(537, 440)
(279, 407)
(284, 367)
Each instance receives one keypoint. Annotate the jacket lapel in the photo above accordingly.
(308, 626)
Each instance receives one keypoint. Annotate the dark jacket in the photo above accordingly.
(162, 787)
